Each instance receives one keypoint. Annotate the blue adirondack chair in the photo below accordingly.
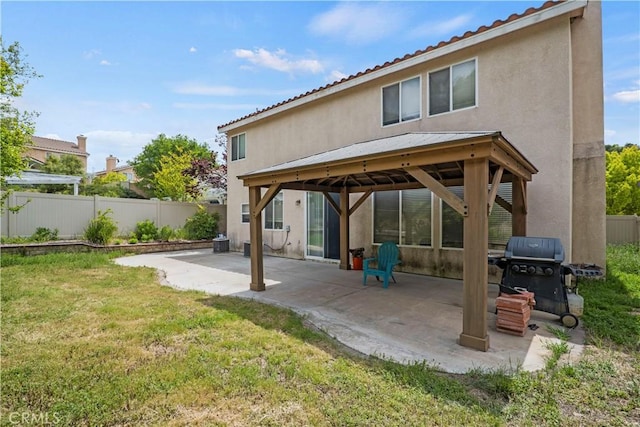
(386, 260)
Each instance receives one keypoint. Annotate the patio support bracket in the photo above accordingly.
(440, 190)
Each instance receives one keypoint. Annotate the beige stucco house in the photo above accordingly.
(526, 93)
(42, 148)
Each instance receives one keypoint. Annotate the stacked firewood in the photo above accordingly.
(514, 312)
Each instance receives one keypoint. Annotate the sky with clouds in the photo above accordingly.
(122, 72)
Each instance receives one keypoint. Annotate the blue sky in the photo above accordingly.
(122, 72)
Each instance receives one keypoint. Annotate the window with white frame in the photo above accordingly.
(273, 213)
(452, 88)
(401, 101)
(403, 217)
(238, 146)
(245, 212)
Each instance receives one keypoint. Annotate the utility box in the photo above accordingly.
(220, 245)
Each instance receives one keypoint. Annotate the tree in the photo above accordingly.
(208, 172)
(623, 181)
(16, 127)
(147, 163)
(110, 178)
(170, 180)
(66, 164)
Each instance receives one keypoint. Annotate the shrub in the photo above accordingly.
(133, 240)
(165, 233)
(146, 230)
(101, 229)
(44, 234)
(201, 225)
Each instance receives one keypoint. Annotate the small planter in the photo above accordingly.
(357, 255)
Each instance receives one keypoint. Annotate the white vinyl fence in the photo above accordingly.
(71, 214)
(623, 229)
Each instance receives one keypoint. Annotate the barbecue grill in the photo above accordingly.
(535, 264)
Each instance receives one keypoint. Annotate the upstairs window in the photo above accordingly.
(238, 147)
(401, 102)
(452, 88)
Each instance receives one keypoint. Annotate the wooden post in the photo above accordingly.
(476, 244)
(344, 229)
(255, 227)
(519, 207)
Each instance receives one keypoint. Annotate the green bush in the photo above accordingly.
(43, 234)
(165, 233)
(201, 225)
(101, 229)
(146, 231)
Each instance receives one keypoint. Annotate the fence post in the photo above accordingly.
(12, 218)
(636, 237)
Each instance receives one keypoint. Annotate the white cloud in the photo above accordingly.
(192, 49)
(279, 60)
(627, 96)
(335, 76)
(195, 88)
(52, 136)
(90, 54)
(441, 28)
(105, 62)
(358, 23)
(125, 145)
(609, 133)
(212, 106)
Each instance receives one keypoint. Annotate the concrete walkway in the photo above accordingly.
(417, 319)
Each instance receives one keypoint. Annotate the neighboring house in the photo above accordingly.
(112, 166)
(535, 77)
(43, 148)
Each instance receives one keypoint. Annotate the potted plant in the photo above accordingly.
(357, 254)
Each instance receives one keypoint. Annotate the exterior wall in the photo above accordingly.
(524, 89)
(589, 193)
(71, 214)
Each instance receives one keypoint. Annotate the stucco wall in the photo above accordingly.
(524, 90)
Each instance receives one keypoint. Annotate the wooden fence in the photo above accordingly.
(71, 214)
(623, 229)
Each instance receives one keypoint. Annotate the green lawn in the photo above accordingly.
(88, 342)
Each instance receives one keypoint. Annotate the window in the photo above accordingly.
(499, 221)
(403, 217)
(238, 147)
(273, 214)
(245, 212)
(452, 88)
(401, 102)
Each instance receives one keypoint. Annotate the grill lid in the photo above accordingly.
(545, 248)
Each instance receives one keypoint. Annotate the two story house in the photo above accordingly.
(42, 148)
(509, 115)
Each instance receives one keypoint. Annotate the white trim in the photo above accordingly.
(510, 27)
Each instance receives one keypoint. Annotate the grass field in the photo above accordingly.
(88, 342)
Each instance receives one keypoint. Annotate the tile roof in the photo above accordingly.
(496, 24)
(56, 145)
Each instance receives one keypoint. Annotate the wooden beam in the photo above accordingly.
(432, 184)
(504, 204)
(495, 184)
(255, 227)
(519, 209)
(268, 196)
(359, 202)
(364, 165)
(332, 202)
(475, 268)
(501, 157)
(344, 229)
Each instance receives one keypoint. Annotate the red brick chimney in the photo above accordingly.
(111, 163)
(82, 143)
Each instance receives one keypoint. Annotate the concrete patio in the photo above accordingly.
(417, 319)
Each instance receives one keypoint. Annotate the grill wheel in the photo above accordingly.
(569, 320)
